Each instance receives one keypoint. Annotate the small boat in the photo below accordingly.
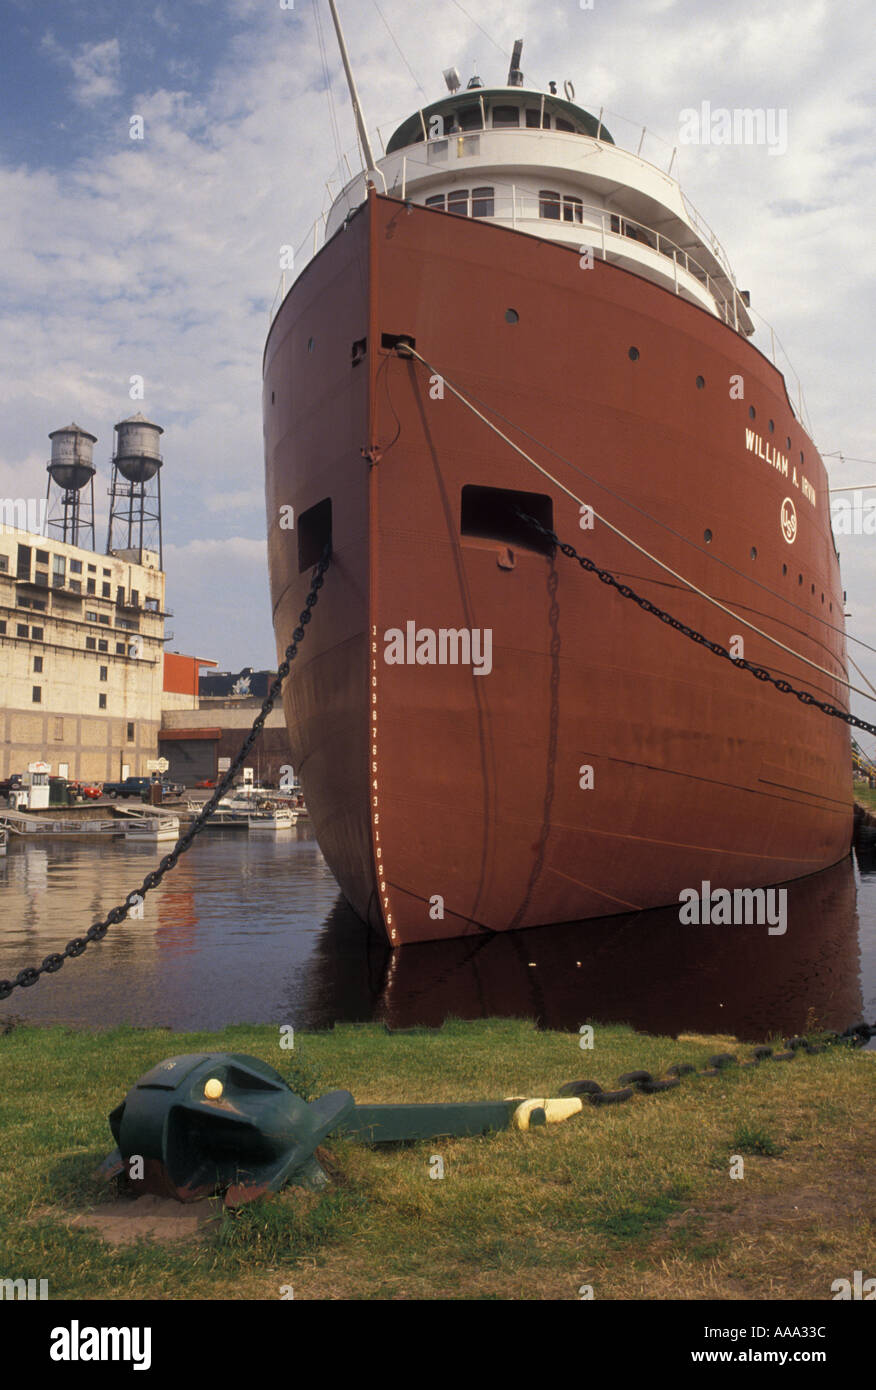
(272, 819)
(239, 802)
(152, 830)
(220, 819)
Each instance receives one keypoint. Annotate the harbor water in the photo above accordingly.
(253, 929)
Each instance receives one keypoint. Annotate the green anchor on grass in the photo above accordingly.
(206, 1121)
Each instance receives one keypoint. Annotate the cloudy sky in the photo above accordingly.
(160, 257)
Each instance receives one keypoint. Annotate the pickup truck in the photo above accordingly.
(131, 786)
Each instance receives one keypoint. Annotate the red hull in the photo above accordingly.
(430, 785)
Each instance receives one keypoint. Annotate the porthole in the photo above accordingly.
(633, 354)
(799, 579)
(754, 552)
(772, 425)
(701, 381)
(822, 598)
(310, 345)
(272, 398)
(512, 316)
(751, 412)
(784, 569)
(801, 456)
(707, 536)
(788, 442)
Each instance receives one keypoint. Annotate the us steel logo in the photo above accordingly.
(789, 521)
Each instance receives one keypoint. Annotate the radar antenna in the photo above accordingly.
(515, 76)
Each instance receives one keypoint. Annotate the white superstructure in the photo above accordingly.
(541, 165)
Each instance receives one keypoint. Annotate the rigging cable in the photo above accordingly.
(406, 350)
(619, 497)
(504, 52)
(328, 87)
(417, 83)
(861, 674)
(846, 458)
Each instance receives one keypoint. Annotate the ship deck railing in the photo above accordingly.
(627, 135)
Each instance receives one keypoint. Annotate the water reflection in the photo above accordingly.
(254, 930)
(644, 969)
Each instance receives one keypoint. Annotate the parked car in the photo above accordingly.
(130, 786)
(10, 784)
(92, 790)
(171, 791)
(205, 784)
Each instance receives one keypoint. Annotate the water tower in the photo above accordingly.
(71, 510)
(135, 491)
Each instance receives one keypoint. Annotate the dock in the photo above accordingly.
(44, 826)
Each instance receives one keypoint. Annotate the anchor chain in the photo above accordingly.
(647, 1084)
(859, 1033)
(759, 672)
(30, 975)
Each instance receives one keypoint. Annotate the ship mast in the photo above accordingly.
(354, 95)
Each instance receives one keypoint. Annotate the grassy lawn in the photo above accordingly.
(636, 1201)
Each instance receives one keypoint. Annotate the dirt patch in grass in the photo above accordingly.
(152, 1218)
(843, 1197)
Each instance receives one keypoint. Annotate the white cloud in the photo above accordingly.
(244, 500)
(211, 550)
(96, 68)
(217, 593)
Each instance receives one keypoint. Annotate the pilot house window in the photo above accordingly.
(470, 118)
(559, 207)
(506, 115)
(481, 202)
